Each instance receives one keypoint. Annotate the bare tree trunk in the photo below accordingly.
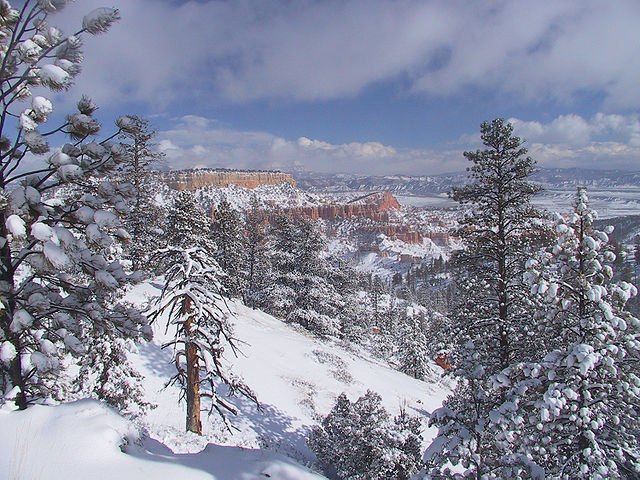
(193, 379)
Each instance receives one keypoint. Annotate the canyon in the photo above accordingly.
(371, 212)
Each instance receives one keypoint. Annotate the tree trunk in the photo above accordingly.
(193, 379)
(193, 390)
(17, 379)
(16, 376)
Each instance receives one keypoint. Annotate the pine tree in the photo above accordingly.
(187, 225)
(107, 374)
(490, 323)
(298, 288)
(143, 223)
(574, 411)
(192, 299)
(59, 281)
(227, 235)
(358, 441)
(256, 266)
(413, 351)
(376, 290)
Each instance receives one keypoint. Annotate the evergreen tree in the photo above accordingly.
(196, 310)
(256, 266)
(107, 374)
(143, 223)
(376, 290)
(358, 441)
(227, 235)
(187, 225)
(574, 411)
(59, 282)
(413, 352)
(490, 329)
(298, 288)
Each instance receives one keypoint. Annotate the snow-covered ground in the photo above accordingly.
(87, 440)
(296, 378)
(608, 203)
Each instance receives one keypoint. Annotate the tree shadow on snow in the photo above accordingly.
(222, 462)
(158, 361)
(280, 437)
(276, 430)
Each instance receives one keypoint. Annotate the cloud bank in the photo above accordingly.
(248, 50)
(603, 141)
(199, 142)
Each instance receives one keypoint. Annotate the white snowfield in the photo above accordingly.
(87, 440)
(295, 376)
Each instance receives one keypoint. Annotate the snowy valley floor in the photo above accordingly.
(295, 376)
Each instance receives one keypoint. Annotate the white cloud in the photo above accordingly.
(196, 141)
(603, 141)
(573, 130)
(366, 150)
(243, 50)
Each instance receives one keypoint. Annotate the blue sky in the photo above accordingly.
(374, 87)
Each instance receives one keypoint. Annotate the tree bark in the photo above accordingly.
(193, 379)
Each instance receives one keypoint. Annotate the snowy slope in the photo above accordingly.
(87, 440)
(295, 376)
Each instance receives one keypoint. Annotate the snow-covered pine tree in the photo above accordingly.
(318, 303)
(298, 288)
(107, 374)
(143, 223)
(413, 350)
(196, 311)
(358, 441)
(58, 283)
(256, 265)
(490, 329)
(375, 291)
(573, 413)
(187, 225)
(230, 254)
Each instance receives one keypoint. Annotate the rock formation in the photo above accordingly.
(199, 178)
(372, 206)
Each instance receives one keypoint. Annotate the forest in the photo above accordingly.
(532, 323)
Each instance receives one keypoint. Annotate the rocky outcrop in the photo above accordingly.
(374, 206)
(199, 178)
(396, 232)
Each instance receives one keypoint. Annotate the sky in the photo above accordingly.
(368, 86)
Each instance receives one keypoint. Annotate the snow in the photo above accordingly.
(296, 377)
(16, 226)
(21, 320)
(88, 441)
(26, 122)
(54, 76)
(99, 20)
(105, 219)
(69, 172)
(42, 106)
(42, 231)
(105, 278)
(55, 255)
(7, 352)
(60, 158)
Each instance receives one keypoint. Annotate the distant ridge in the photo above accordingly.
(194, 179)
(550, 178)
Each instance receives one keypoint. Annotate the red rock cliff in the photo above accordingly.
(373, 206)
(194, 179)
